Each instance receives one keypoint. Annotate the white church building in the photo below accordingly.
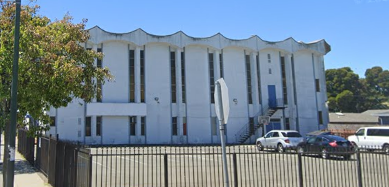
(163, 88)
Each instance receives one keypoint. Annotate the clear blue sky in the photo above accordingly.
(357, 30)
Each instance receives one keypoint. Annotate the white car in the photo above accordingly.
(279, 140)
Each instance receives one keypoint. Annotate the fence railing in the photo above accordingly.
(202, 166)
(66, 164)
(26, 146)
(63, 163)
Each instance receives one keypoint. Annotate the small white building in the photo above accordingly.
(163, 87)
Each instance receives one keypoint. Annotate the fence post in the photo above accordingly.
(38, 153)
(166, 170)
(300, 170)
(90, 170)
(359, 169)
(235, 167)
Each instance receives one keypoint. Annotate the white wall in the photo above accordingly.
(71, 121)
(236, 80)
(158, 85)
(116, 59)
(115, 130)
(198, 94)
(306, 92)
(198, 110)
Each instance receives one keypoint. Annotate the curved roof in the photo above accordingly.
(217, 41)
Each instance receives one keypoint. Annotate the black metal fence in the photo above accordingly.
(26, 146)
(202, 166)
(66, 164)
(62, 163)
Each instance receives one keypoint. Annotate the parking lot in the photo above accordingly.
(202, 166)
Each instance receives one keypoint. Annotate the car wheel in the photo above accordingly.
(324, 153)
(300, 150)
(355, 146)
(346, 157)
(259, 146)
(280, 148)
(386, 149)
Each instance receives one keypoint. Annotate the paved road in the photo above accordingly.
(203, 167)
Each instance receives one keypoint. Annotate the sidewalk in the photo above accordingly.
(25, 174)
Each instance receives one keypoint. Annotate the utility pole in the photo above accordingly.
(9, 155)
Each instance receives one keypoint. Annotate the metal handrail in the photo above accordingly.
(245, 129)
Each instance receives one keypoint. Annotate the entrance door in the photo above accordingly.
(272, 96)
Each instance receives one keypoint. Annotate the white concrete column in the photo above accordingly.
(137, 75)
(254, 82)
(216, 62)
(93, 118)
(290, 90)
(179, 90)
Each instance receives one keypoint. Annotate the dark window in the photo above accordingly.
(269, 135)
(142, 76)
(291, 134)
(132, 125)
(317, 85)
(269, 58)
(132, 76)
(174, 126)
(287, 124)
(252, 125)
(221, 65)
(311, 140)
(184, 128)
(99, 92)
(248, 76)
(259, 79)
(173, 76)
(99, 61)
(52, 121)
(378, 132)
(361, 132)
(213, 126)
(275, 134)
(284, 88)
(88, 126)
(98, 125)
(211, 77)
(320, 114)
(183, 76)
(143, 126)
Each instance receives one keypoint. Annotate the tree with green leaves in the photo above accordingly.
(54, 66)
(377, 80)
(343, 89)
(348, 93)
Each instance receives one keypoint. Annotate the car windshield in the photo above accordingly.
(291, 134)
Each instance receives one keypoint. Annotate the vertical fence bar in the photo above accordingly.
(90, 169)
(300, 170)
(166, 170)
(235, 168)
(359, 169)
